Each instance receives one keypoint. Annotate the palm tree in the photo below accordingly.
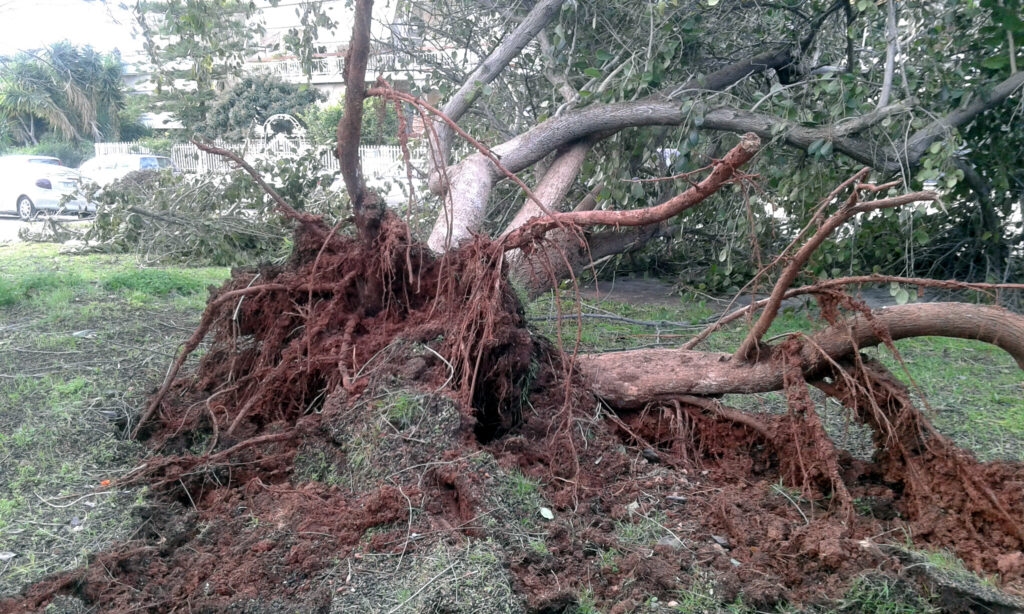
(71, 91)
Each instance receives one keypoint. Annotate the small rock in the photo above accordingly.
(650, 455)
(75, 521)
(6, 556)
(735, 563)
(670, 541)
(721, 541)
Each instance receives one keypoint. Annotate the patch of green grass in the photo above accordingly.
(402, 410)
(39, 276)
(523, 486)
(641, 531)
(951, 565)
(699, 597)
(154, 282)
(586, 603)
(313, 465)
(878, 594)
(610, 559)
(973, 392)
(540, 547)
(77, 347)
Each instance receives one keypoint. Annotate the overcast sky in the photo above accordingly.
(31, 24)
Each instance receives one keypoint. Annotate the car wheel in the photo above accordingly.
(25, 208)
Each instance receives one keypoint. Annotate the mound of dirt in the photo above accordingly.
(375, 429)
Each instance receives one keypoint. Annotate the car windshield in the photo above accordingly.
(149, 164)
(44, 161)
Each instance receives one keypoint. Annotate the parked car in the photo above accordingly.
(106, 169)
(29, 184)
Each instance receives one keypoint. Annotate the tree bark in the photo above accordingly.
(637, 377)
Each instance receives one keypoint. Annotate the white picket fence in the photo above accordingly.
(379, 161)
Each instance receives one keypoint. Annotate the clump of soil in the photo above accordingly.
(375, 429)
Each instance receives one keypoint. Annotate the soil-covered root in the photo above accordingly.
(291, 352)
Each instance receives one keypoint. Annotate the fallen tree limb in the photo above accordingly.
(637, 377)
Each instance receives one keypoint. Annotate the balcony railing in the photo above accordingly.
(333, 67)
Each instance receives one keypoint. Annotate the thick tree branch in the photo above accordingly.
(638, 377)
(795, 135)
(832, 285)
(466, 206)
(555, 184)
(890, 55)
(539, 16)
(921, 140)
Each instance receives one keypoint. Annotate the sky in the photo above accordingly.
(110, 24)
(31, 24)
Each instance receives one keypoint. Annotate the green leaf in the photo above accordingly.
(604, 56)
(815, 146)
(996, 62)
(593, 73)
(902, 296)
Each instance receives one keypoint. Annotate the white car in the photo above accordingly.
(104, 170)
(30, 184)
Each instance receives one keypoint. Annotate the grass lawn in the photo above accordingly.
(83, 339)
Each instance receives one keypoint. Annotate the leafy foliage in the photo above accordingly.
(251, 101)
(213, 219)
(196, 45)
(380, 123)
(70, 153)
(951, 54)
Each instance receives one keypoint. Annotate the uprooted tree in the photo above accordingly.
(292, 347)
